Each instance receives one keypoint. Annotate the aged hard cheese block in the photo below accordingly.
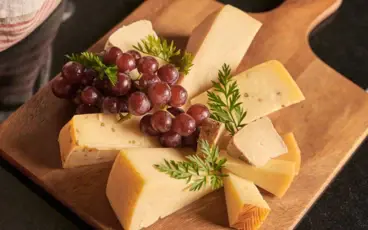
(257, 143)
(264, 89)
(211, 131)
(223, 37)
(275, 177)
(96, 138)
(246, 207)
(139, 194)
(293, 153)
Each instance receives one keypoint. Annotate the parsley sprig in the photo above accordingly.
(197, 170)
(159, 47)
(91, 60)
(224, 101)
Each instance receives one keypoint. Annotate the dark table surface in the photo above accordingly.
(341, 41)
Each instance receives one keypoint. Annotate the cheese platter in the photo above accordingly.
(273, 148)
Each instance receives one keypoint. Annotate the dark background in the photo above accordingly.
(341, 41)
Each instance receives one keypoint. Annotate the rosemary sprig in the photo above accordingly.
(197, 171)
(167, 51)
(224, 101)
(93, 61)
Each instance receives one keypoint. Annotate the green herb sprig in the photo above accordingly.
(197, 170)
(93, 61)
(224, 101)
(167, 51)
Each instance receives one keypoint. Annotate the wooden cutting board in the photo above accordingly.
(329, 125)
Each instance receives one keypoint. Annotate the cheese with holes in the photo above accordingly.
(293, 153)
(264, 89)
(223, 37)
(275, 177)
(211, 131)
(246, 207)
(95, 138)
(139, 194)
(128, 36)
(257, 143)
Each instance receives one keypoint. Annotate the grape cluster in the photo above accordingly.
(174, 127)
(154, 89)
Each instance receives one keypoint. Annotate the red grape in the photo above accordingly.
(123, 105)
(85, 109)
(159, 93)
(191, 141)
(161, 121)
(148, 79)
(138, 103)
(168, 73)
(110, 105)
(111, 55)
(122, 86)
(125, 63)
(170, 139)
(72, 72)
(88, 76)
(146, 127)
(61, 88)
(101, 85)
(135, 54)
(147, 64)
(90, 95)
(199, 112)
(183, 124)
(175, 111)
(179, 96)
(76, 99)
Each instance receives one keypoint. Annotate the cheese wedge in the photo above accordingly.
(128, 36)
(95, 138)
(139, 194)
(275, 177)
(293, 153)
(264, 89)
(223, 37)
(211, 131)
(257, 143)
(246, 207)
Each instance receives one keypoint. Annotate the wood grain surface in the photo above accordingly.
(329, 125)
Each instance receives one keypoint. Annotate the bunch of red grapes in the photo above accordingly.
(156, 88)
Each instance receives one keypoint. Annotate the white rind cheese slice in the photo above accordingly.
(275, 177)
(96, 138)
(223, 37)
(264, 89)
(246, 207)
(293, 153)
(139, 194)
(257, 142)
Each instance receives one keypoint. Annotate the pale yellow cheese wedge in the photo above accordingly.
(293, 153)
(246, 207)
(275, 177)
(223, 37)
(128, 36)
(139, 194)
(264, 89)
(96, 138)
(257, 143)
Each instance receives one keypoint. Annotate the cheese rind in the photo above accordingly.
(223, 37)
(257, 143)
(246, 207)
(96, 138)
(293, 153)
(275, 177)
(264, 89)
(139, 194)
